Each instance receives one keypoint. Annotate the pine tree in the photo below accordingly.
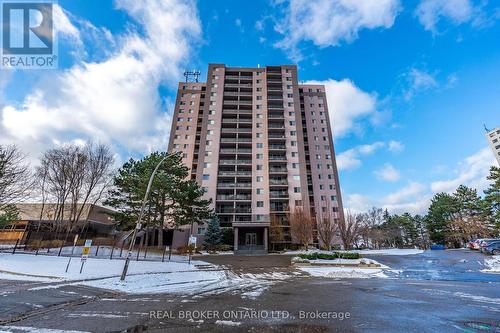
(213, 235)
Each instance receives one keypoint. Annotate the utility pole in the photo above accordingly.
(139, 220)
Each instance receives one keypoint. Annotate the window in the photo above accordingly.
(260, 191)
(293, 143)
(211, 112)
(259, 217)
(330, 187)
(260, 145)
(259, 125)
(295, 165)
(259, 135)
(321, 186)
(260, 179)
(296, 190)
(293, 133)
(210, 132)
(290, 95)
(201, 230)
(206, 177)
(206, 165)
(259, 98)
(292, 123)
(211, 122)
(296, 177)
(298, 202)
(323, 198)
(260, 156)
(208, 142)
(208, 153)
(260, 167)
(333, 198)
(260, 203)
(260, 115)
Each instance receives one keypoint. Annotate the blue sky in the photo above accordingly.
(410, 83)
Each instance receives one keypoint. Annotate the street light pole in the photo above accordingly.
(139, 220)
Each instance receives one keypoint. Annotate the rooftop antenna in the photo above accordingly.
(485, 128)
(192, 76)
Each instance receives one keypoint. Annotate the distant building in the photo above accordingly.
(260, 144)
(493, 137)
(39, 220)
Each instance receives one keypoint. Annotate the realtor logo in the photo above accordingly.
(28, 39)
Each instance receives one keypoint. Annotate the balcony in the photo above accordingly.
(278, 182)
(276, 136)
(278, 195)
(236, 140)
(236, 121)
(278, 170)
(277, 147)
(234, 151)
(234, 197)
(234, 162)
(277, 158)
(276, 126)
(234, 185)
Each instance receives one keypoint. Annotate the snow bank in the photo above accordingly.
(392, 252)
(343, 272)
(493, 265)
(28, 266)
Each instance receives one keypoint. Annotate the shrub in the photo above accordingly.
(330, 256)
(185, 249)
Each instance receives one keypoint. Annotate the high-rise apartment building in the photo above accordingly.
(260, 144)
(493, 137)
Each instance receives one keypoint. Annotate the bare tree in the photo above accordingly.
(74, 176)
(15, 177)
(276, 234)
(327, 227)
(301, 227)
(349, 229)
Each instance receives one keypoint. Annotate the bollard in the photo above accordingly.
(139, 251)
(97, 251)
(121, 250)
(15, 247)
(112, 250)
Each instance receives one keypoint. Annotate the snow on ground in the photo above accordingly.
(392, 252)
(143, 277)
(493, 265)
(343, 272)
(16, 329)
(53, 268)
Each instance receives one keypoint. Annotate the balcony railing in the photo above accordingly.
(278, 195)
(278, 170)
(277, 147)
(236, 140)
(239, 151)
(235, 121)
(233, 185)
(277, 158)
(278, 182)
(233, 162)
(234, 197)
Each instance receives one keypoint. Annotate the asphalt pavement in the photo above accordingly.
(437, 291)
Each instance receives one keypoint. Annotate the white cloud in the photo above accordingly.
(350, 159)
(388, 173)
(115, 101)
(471, 172)
(415, 197)
(347, 104)
(395, 146)
(418, 81)
(430, 12)
(329, 23)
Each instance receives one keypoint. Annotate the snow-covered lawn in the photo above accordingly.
(493, 265)
(343, 272)
(392, 252)
(53, 268)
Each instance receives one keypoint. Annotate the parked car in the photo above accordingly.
(485, 242)
(492, 248)
(476, 244)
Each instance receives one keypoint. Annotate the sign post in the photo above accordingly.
(85, 252)
(192, 241)
(72, 251)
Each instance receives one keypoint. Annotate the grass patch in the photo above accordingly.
(330, 256)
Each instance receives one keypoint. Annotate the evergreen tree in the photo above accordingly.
(443, 209)
(213, 235)
(9, 214)
(491, 202)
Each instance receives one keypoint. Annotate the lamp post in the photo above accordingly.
(139, 220)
